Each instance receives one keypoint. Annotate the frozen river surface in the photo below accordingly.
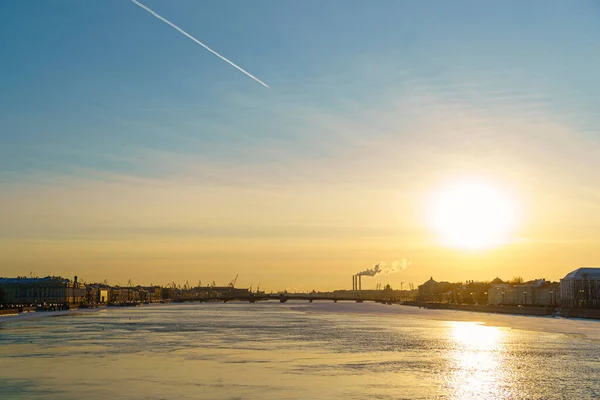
(296, 351)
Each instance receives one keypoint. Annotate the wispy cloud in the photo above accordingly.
(166, 21)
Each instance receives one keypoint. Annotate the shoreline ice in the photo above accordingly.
(587, 328)
(4, 319)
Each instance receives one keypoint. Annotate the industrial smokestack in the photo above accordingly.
(360, 282)
(352, 282)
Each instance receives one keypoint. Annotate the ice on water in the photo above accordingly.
(296, 351)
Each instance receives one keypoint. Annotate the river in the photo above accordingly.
(296, 351)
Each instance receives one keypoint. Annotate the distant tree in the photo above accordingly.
(517, 280)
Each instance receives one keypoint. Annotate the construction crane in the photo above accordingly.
(129, 285)
(186, 290)
(232, 283)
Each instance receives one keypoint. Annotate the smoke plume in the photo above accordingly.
(380, 267)
(399, 265)
(373, 271)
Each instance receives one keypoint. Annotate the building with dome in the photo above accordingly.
(429, 291)
(581, 288)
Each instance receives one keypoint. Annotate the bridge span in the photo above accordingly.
(285, 297)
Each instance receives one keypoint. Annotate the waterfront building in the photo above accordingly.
(97, 293)
(473, 292)
(48, 290)
(502, 293)
(149, 293)
(538, 292)
(102, 296)
(429, 291)
(581, 288)
(119, 294)
(447, 292)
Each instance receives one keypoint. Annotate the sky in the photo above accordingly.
(127, 151)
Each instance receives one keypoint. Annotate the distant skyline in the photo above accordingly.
(128, 151)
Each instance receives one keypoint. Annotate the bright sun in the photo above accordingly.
(471, 215)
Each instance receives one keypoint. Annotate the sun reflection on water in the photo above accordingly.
(476, 336)
(478, 369)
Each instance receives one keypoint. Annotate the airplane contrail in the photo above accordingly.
(166, 21)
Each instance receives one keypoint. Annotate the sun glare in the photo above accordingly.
(471, 215)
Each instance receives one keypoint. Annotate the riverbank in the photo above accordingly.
(513, 310)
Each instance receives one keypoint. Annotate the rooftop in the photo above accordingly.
(430, 282)
(584, 272)
(25, 280)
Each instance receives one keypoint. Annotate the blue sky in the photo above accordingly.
(365, 97)
(78, 75)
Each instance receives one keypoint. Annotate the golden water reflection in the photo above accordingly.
(478, 369)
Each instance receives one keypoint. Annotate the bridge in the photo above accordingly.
(285, 297)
